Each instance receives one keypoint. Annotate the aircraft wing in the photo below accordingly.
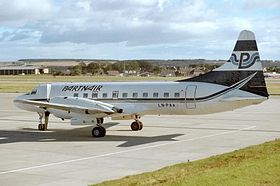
(93, 107)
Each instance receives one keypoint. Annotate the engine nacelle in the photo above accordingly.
(62, 114)
(124, 117)
(80, 121)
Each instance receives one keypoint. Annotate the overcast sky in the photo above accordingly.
(135, 29)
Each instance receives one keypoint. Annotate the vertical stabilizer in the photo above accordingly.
(243, 62)
(245, 55)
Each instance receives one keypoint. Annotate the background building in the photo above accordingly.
(16, 70)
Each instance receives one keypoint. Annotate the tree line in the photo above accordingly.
(100, 68)
(132, 67)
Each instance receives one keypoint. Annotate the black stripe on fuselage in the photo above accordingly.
(246, 45)
(46, 100)
(227, 78)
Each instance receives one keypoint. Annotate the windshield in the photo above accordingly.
(34, 91)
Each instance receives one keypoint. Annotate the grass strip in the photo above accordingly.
(255, 165)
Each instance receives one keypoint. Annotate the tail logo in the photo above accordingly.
(245, 60)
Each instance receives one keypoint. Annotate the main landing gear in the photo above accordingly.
(99, 130)
(43, 126)
(137, 124)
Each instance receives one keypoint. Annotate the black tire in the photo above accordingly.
(134, 126)
(103, 132)
(40, 127)
(140, 125)
(44, 127)
(98, 132)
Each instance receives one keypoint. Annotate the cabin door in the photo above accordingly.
(190, 96)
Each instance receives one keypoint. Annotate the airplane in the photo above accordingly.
(237, 83)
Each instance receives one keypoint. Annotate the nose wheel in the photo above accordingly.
(43, 126)
(136, 125)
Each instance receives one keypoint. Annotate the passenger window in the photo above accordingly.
(145, 94)
(176, 94)
(76, 95)
(155, 95)
(104, 95)
(94, 95)
(124, 95)
(85, 95)
(135, 94)
(115, 94)
(166, 94)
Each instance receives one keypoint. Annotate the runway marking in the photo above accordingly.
(121, 152)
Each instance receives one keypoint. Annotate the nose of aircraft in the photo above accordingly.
(17, 101)
(18, 98)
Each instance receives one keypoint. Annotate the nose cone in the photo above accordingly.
(18, 101)
(18, 98)
(22, 103)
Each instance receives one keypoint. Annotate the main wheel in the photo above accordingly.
(98, 132)
(135, 126)
(103, 131)
(140, 125)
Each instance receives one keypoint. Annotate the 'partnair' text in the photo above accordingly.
(94, 88)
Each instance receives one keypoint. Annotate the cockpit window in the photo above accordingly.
(34, 91)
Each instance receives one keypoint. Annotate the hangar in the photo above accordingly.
(16, 70)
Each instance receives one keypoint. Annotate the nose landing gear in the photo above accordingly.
(43, 126)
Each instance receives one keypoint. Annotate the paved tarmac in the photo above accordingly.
(68, 155)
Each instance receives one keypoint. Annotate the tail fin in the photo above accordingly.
(243, 62)
(245, 55)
